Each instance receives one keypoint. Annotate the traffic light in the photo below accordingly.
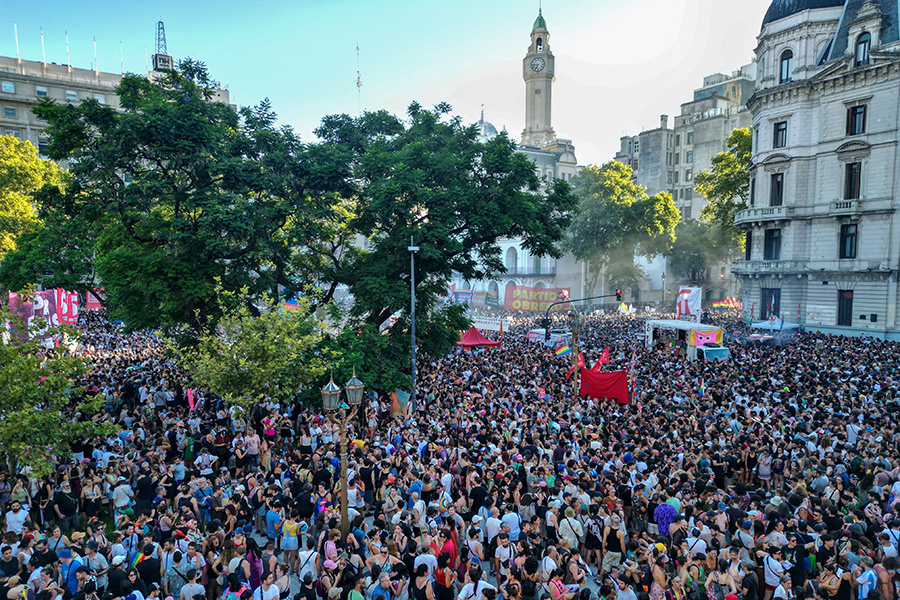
(618, 295)
(546, 324)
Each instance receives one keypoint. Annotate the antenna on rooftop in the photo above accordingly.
(161, 38)
(161, 60)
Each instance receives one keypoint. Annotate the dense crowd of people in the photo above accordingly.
(772, 475)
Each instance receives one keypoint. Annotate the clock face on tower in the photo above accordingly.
(537, 65)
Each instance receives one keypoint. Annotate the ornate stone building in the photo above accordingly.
(823, 244)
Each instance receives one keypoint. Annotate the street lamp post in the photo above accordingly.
(664, 289)
(412, 314)
(341, 413)
(575, 324)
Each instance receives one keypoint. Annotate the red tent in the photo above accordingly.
(473, 338)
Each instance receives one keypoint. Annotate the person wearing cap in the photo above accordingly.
(122, 495)
(69, 563)
(191, 589)
(97, 565)
(149, 567)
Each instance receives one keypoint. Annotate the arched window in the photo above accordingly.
(493, 287)
(540, 45)
(512, 260)
(787, 66)
(863, 43)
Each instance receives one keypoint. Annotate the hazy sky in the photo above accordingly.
(619, 63)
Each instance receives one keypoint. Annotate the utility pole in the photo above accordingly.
(412, 312)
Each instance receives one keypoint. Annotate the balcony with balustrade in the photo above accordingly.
(768, 267)
(762, 214)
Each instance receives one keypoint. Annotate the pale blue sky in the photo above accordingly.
(620, 64)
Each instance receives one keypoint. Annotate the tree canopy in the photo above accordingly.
(249, 356)
(699, 247)
(39, 401)
(170, 194)
(22, 174)
(616, 220)
(726, 184)
(430, 179)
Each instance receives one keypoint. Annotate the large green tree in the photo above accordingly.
(726, 184)
(173, 192)
(618, 220)
(252, 355)
(22, 174)
(430, 179)
(698, 248)
(39, 401)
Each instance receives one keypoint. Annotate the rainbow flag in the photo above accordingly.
(623, 309)
(721, 305)
(563, 350)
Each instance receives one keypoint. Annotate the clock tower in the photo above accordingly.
(538, 70)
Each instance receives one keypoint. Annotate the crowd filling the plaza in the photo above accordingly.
(773, 474)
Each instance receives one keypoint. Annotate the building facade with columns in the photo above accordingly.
(823, 244)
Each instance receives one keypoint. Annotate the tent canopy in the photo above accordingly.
(473, 338)
(776, 325)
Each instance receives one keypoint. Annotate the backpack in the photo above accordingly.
(529, 589)
(320, 589)
(647, 579)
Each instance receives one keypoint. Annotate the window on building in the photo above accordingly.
(689, 156)
(852, 183)
(635, 167)
(100, 98)
(779, 139)
(787, 67)
(689, 193)
(688, 174)
(770, 300)
(863, 43)
(776, 193)
(676, 177)
(7, 87)
(668, 158)
(748, 246)
(540, 45)
(637, 147)
(690, 138)
(40, 91)
(678, 158)
(678, 139)
(753, 191)
(43, 145)
(71, 96)
(772, 245)
(848, 241)
(12, 133)
(9, 112)
(669, 178)
(845, 308)
(856, 120)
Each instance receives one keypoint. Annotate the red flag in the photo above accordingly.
(579, 364)
(604, 358)
(605, 385)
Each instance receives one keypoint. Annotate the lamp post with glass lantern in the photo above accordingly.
(341, 413)
(575, 324)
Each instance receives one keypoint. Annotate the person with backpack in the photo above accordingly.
(593, 537)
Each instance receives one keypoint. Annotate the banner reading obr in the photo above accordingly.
(519, 297)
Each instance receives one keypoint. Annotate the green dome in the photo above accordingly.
(539, 23)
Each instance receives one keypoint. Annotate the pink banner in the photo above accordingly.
(191, 398)
(705, 338)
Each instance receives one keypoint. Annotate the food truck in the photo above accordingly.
(698, 341)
